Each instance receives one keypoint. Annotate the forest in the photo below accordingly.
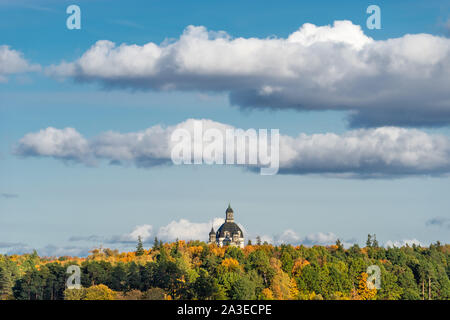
(195, 270)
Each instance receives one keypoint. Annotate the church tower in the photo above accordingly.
(229, 214)
(212, 236)
(229, 233)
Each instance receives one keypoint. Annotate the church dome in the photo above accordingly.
(229, 227)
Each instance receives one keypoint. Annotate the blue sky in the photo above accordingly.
(48, 202)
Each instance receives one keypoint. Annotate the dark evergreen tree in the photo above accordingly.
(369, 241)
(140, 247)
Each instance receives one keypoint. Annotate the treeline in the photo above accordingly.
(195, 270)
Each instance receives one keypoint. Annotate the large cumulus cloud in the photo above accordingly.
(402, 81)
(363, 153)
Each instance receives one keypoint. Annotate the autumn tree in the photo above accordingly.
(196, 270)
(99, 292)
(75, 294)
(130, 295)
(363, 291)
(266, 294)
(154, 294)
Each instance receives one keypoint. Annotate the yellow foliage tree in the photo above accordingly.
(363, 291)
(299, 264)
(230, 264)
(74, 294)
(281, 283)
(293, 290)
(99, 292)
(195, 250)
(217, 251)
(310, 296)
(249, 249)
(267, 294)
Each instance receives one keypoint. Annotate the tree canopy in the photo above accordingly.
(196, 270)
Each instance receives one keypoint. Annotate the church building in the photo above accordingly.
(229, 233)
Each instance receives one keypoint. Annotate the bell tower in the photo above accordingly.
(212, 236)
(229, 214)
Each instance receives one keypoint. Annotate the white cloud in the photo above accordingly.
(364, 153)
(320, 238)
(315, 68)
(187, 230)
(12, 62)
(144, 231)
(403, 243)
(64, 144)
(182, 229)
(289, 236)
(386, 151)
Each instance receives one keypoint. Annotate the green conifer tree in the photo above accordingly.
(6, 284)
(140, 247)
